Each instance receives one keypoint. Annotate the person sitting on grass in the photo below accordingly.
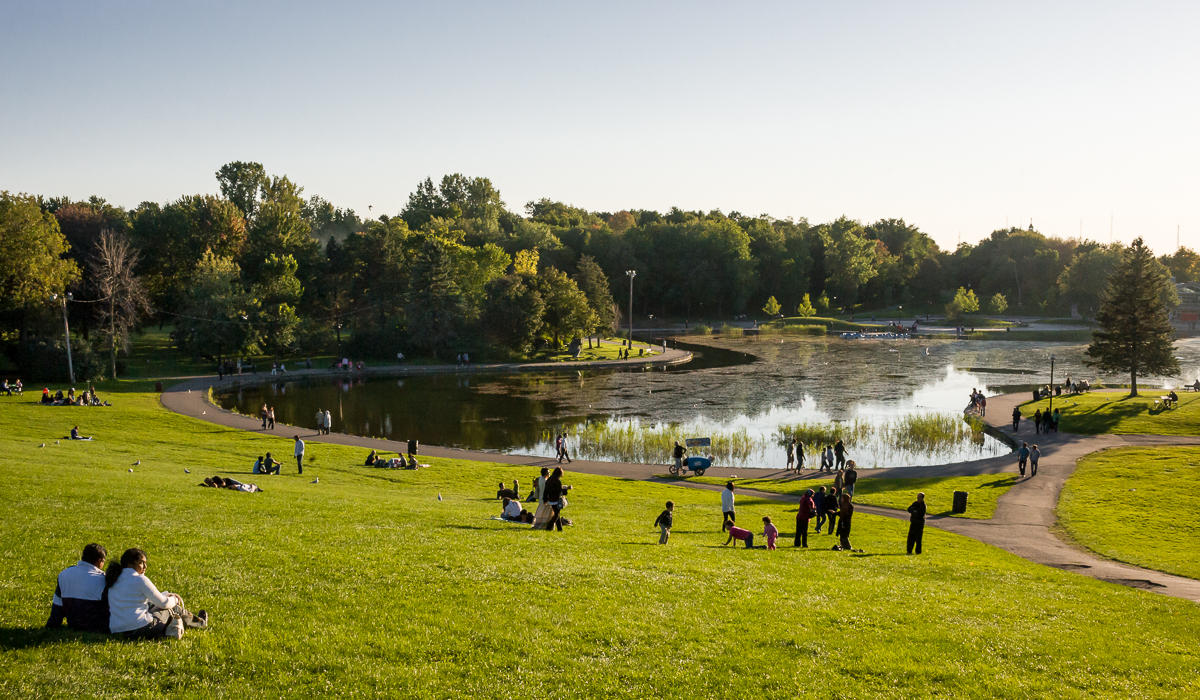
(514, 513)
(270, 466)
(6, 388)
(136, 608)
(505, 492)
(258, 466)
(370, 458)
(79, 594)
(738, 533)
(76, 436)
(46, 398)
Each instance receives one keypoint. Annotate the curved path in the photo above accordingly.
(1022, 524)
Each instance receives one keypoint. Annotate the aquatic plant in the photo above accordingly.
(633, 442)
(702, 329)
(931, 432)
(732, 331)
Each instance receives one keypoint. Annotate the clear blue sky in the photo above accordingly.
(955, 116)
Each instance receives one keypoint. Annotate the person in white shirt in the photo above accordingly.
(513, 511)
(137, 609)
(79, 594)
(299, 453)
(727, 512)
(328, 422)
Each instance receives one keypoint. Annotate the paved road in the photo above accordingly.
(1022, 523)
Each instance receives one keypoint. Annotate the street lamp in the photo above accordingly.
(67, 331)
(1051, 383)
(631, 274)
(900, 314)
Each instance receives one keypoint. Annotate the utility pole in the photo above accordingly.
(1048, 410)
(67, 332)
(631, 274)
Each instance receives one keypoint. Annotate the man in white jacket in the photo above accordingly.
(299, 453)
(727, 512)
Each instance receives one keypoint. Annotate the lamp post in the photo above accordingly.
(1051, 383)
(631, 274)
(67, 332)
(900, 314)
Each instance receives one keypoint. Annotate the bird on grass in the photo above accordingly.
(137, 463)
(187, 471)
(42, 445)
(315, 481)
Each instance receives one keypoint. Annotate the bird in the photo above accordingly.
(137, 463)
(42, 445)
(187, 471)
(439, 496)
(203, 412)
(130, 471)
(315, 481)
(56, 442)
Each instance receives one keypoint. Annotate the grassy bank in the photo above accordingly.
(894, 493)
(368, 584)
(1099, 412)
(1137, 506)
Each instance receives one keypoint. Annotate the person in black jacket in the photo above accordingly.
(80, 594)
(553, 494)
(916, 523)
(831, 507)
(664, 521)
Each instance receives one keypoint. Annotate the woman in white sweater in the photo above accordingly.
(137, 609)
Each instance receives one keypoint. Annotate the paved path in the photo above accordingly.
(1022, 523)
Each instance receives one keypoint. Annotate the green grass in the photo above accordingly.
(605, 351)
(153, 355)
(833, 324)
(366, 585)
(1066, 321)
(1100, 412)
(897, 493)
(1138, 506)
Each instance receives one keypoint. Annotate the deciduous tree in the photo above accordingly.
(120, 296)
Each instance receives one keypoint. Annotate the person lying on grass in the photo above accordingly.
(216, 482)
(737, 533)
(136, 608)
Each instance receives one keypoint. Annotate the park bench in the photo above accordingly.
(1164, 402)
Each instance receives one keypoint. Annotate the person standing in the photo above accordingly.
(829, 457)
(678, 453)
(851, 477)
(1016, 417)
(982, 405)
(839, 451)
(803, 514)
(1037, 421)
(1022, 457)
(832, 507)
(664, 522)
(328, 421)
(299, 452)
(819, 509)
(845, 516)
(728, 514)
(553, 493)
(79, 594)
(916, 523)
(320, 422)
(838, 481)
(1034, 454)
(791, 455)
(799, 455)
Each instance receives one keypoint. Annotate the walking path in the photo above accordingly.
(1022, 523)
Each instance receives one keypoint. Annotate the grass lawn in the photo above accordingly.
(1137, 505)
(605, 351)
(153, 354)
(1099, 412)
(894, 493)
(366, 584)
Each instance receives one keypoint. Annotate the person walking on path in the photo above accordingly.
(1034, 454)
(982, 405)
(770, 532)
(557, 438)
(1016, 417)
(271, 417)
(263, 413)
(1022, 457)
(678, 453)
(840, 452)
(320, 422)
(829, 457)
(728, 515)
(1037, 421)
(664, 522)
(791, 455)
(839, 481)
(328, 421)
(916, 523)
(803, 514)
(851, 477)
(737, 533)
(299, 452)
(845, 515)
(799, 455)
(566, 454)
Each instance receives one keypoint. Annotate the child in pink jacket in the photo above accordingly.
(770, 531)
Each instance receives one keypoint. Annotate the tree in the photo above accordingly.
(850, 257)
(594, 284)
(965, 302)
(772, 307)
(1084, 281)
(277, 296)
(806, 310)
(567, 309)
(240, 183)
(434, 305)
(216, 312)
(1135, 333)
(33, 266)
(513, 312)
(997, 304)
(822, 303)
(122, 299)
(1184, 264)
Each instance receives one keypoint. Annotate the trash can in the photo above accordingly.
(960, 502)
(158, 387)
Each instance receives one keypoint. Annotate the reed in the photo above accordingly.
(931, 432)
(653, 444)
(732, 331)
(702, 329)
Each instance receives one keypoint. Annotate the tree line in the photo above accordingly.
(262, 269)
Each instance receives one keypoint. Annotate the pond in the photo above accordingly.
(895, 402)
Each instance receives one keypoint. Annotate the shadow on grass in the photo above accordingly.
(16, 638)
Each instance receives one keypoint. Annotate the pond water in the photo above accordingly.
(744, 392)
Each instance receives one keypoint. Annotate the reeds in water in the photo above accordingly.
(653, 444)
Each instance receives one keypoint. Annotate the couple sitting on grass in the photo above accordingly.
(10, 388)
(122, 601)
(397, 462)
(266, 465)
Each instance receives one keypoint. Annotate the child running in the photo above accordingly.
(664, 522)
(770, 532)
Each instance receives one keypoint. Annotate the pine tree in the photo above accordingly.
(1135, 333)
(772, 307)
(806, 309)
(434, 299)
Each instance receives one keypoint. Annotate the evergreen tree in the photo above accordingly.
(772, 307)
(594, 284)
(806, 309)
(1135, 334)
(434, 299)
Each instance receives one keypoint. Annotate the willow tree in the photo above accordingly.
(1135, 334)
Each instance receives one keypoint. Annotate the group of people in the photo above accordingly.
(267, 413)
(398, 462)
(463, 359)
(1043, 421)
(14, 388)
(1028, 456)
(345, 365)
(324, 422)
(833, 457)
(977, 404)
(560, 448)
(548, 492)
(121, 601)
(87, 397)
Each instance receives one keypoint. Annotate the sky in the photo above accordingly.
(960, 118)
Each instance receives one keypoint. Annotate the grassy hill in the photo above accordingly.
(366, 584)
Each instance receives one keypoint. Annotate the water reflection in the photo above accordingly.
(724, 391)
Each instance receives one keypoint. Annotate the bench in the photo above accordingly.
(1164, 402)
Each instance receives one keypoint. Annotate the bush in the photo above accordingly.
(731, 331)
(702, 329)
(46, 361)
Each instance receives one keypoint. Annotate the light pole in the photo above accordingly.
(1051, 384)
(900, 314)
(631, 274)
(67, 332)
